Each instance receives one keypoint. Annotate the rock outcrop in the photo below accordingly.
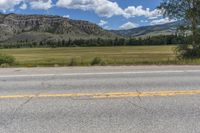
(14, 27)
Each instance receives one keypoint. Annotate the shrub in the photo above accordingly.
(6, 59)
(73, 62)
(97, 61)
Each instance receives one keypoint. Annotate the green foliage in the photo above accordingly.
(6, 59)
(188, 11)
(100, 42)
(97, 61)
(187, 51)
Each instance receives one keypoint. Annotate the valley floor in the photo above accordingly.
(85, 56)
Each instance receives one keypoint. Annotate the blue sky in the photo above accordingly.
(109, 14)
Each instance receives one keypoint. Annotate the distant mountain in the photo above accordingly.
(14, 27)
(164, 29)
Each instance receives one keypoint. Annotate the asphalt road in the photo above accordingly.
(135, 99)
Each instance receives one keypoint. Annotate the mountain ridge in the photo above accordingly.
(49, 28)
(151, 30)
(16, 27)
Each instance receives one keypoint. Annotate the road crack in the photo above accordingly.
(8, 122)
(135, 105)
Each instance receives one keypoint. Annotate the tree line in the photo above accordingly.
(155, 40)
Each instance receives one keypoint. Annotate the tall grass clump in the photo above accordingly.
(7, 59)
(97, 61)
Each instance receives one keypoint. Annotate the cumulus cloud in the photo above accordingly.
(132, 11)
(162, 21)
(102, 22)
(41, 4)
(103, 8)
(6, 5)
(66, 16)
(107, 8)
(23, 6)
(128, 25)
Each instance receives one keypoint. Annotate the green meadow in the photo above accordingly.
(86, 56)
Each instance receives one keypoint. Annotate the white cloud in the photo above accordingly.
(161, 21)
(107, 8)
(103, 8)
(102, 22)
(6, 5)
(41, 4)
(128, 25)
(66, 16)
(23, 6)
(133, 11)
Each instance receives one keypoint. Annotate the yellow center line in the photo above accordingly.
(106, 95)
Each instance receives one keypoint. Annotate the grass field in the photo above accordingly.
(136, 55)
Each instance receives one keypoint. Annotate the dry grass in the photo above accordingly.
(135, 55)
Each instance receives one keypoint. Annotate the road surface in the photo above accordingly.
(134, 99)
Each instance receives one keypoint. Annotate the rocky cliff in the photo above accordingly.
(14, 27)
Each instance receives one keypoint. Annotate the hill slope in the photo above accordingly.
(165, 29)
(14, 27)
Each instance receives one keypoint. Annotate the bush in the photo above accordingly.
(73, 62)
(188, 52)
(6, 59)
(97, 61)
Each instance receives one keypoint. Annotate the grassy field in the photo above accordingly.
(136, 55)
